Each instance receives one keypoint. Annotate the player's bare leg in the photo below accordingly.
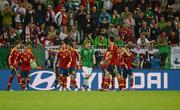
(61, 82)
(73, 82)
(131, 82)
(64, 83)
(10, 82)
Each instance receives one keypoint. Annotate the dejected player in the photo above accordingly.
(24, 58)
(64, 62)
(87, 61)
(11, 60)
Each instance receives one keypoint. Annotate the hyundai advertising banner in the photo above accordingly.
(144, 80)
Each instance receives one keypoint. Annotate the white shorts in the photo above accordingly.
(87, 71)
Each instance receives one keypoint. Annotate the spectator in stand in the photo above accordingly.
(52, 32)
(7, 17)
(112, 31)
(145, 29)
(142, 42)
(163, 39)
(173, 39)
(125, 13)
(20, 11)
(162, 23)
(39, 15)
(104, 15)
(100, 41)
(30, 15)
(129, 21)
(115, 18)
(94, 16)
(149, 15)
(119, 41)
(50, 16)
(155, 32)
(63, 33)
(75, 34)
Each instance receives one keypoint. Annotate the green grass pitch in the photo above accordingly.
(54, 100)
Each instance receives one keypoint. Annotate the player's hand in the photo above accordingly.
(68, 65)
(11, 67)
(79, 67)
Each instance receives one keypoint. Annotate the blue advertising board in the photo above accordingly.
(143, 80)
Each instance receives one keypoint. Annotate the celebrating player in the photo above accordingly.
(127, 66)
(11, 60)
(24, 58)
(87, 61)
(72, 69)
(112, 67)
(64, 62)
(106, 75)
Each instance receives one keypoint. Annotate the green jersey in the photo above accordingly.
(87, 57)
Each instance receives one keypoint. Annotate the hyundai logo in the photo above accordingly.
(42, 80)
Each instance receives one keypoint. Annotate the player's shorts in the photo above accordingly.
(63, 71)
(13, 72)
(127, 72)
(25, 74)
(111, 70)
(87, 70)
(71, 70)
(120, 70)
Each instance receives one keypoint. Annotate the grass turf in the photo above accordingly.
(54, 100)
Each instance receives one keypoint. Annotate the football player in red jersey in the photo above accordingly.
(74, 66)
(24, 58)
(11, 60)
(127, 67)
(64, 62)
(112, 67)
(106, 75)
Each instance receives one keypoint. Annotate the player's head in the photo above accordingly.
(87, 44)
(63, 45)
(111, 40)
(25, 48)
(17, 44)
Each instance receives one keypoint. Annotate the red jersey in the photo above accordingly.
(114, 53)
(25, 59)
(105, 56)
(74, 56)
(12, 57)
(63, 58)
(128, 61)
(120, 60)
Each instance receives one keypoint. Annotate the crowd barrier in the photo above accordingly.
(143, 80)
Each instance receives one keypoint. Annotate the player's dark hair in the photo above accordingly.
(111, 38)
(17, 42)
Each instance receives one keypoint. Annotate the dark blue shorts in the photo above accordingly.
(111, 70)
(127, 72)
(120, 70)
(25, 74)
(63, 71)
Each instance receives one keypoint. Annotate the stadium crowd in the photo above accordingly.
(145, 24)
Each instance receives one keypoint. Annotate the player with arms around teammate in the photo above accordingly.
(24, 58)
(74, 66)
(64, 62)
(87, 62)
(112, 66)
(11, 60)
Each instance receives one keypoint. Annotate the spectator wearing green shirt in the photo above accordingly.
(149, 15)
(162, 24)
(115, 18)
(119, 41)
(100, 40)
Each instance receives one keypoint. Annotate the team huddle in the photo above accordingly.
(117, 63)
